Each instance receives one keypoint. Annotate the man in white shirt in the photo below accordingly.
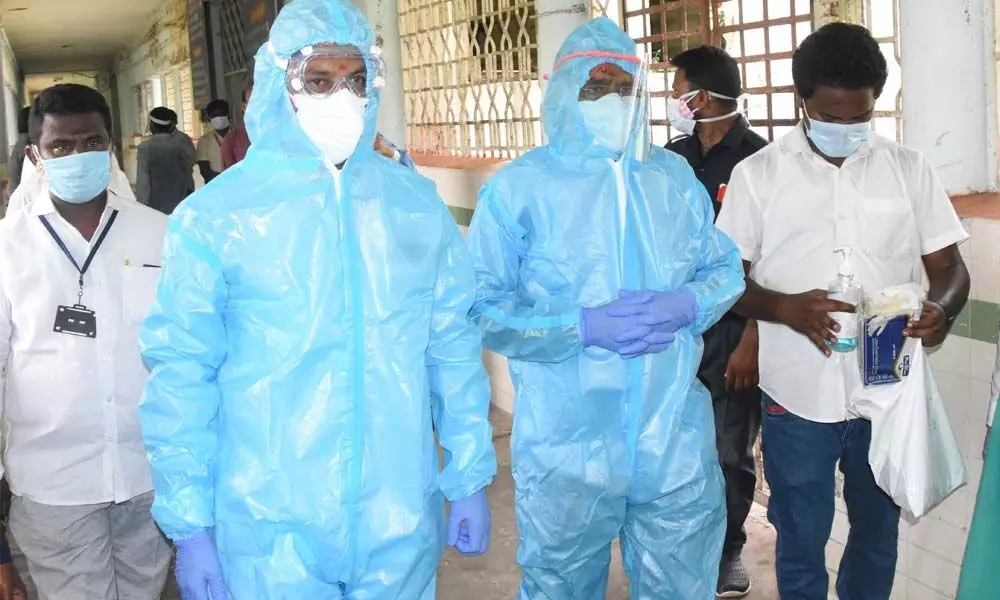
(69, 321)
(831, 183)
(210, 145)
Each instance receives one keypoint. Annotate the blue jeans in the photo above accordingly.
(799, 461)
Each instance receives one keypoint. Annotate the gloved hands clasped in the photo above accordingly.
(199, 574)
(638, 322)
(469, 524)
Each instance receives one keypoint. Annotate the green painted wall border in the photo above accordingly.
(978, 321)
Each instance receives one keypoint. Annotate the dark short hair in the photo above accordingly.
(839, 55)
(66, 99)
(23, 120)
(711, 69)
(162, 113)
(216, 107)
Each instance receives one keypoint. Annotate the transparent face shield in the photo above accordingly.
(615, 102)
(321, 70)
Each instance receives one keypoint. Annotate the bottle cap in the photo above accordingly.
(845, 269)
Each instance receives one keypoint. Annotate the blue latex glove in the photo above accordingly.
(469, 524)
(198, 572)
(662, 311)
(614, 326)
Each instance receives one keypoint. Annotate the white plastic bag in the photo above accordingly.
(913, 453)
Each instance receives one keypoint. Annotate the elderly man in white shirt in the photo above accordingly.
(69, 321)
(828, 184)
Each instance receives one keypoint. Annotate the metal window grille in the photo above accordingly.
(665, 28)
(470, 76)
(881, 17)
(234, 57)
(760, 34)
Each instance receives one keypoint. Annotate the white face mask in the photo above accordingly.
(219, 123)
(681, 116)
(333, 124)
(607, 120)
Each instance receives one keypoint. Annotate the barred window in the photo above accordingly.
(760, 34)
(470, 75)
(881, 17)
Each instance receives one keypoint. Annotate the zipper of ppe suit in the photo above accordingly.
(353, 299)
(616, 166)
(630, 410)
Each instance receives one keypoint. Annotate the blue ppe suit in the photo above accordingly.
(307, 339)
(601, 446)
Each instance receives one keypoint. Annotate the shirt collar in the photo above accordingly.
(43, 205)
(737, 133)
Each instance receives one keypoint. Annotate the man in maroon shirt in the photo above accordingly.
(236, 144)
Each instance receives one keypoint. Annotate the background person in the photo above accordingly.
(704, 106)
(165, 173)
(210, 145)
(237, 142)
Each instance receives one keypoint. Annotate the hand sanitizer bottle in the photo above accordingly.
(845, 289)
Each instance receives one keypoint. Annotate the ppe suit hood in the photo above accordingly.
(271, 121)
(561, 114)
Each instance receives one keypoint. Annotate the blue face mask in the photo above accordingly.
(607, 120)
(78, 178)
(837, 140)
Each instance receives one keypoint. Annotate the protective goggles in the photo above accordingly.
(323, 70)
(595, 89)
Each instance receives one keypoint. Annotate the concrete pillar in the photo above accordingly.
(384, 18)
(556, 20)
(950, 113)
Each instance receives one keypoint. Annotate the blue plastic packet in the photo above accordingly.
(885, 354)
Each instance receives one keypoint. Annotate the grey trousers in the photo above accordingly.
(92, 552)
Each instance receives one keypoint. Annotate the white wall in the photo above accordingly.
(949, 89)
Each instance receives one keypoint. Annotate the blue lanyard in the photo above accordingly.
(93, 250)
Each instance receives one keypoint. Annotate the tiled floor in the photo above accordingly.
(495, 576)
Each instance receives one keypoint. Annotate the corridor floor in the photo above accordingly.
(495, 576)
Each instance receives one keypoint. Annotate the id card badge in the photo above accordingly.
(76, 320)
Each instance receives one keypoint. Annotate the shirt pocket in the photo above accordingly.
(888, 228)
(139, 285)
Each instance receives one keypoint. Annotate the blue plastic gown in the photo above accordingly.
(306, 340)
(603, 447)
